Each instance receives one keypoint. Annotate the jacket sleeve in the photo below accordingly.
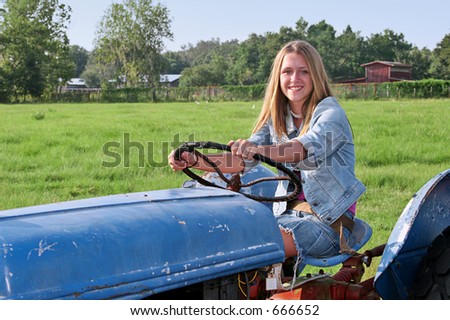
(261, 137)
(329, 131)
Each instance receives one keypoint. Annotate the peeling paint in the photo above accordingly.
(165, 270)
(250, 210)
(7, 249)
(223, 227)
(224, 264)
(179, 220)
(403, 233)
(43, 246)
(7, 280)
(255, 247)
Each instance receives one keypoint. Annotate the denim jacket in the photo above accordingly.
(328, 171)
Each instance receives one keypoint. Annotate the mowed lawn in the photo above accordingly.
(59, 152)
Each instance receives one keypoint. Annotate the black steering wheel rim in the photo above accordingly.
(290, 175)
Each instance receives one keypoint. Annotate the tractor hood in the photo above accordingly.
(133, 245)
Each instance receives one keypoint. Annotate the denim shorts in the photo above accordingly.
(312, 236)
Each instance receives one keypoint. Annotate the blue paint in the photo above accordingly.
(133, 245)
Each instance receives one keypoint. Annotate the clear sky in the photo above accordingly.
(423, 23)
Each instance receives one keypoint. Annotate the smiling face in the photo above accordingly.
(295, 80)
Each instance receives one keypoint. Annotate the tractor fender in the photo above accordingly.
(425, 217)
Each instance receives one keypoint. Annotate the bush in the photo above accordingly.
(245, 93)
(38, 115)
(422, 89)
(429, 88)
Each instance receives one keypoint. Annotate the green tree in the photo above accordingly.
(197, 76)
(301, 27)
(246, 61)
(421, 61)
(3, 86)
(35, 46)
(387, 46)
(441, 66)
(348, 55)
(212, 73)
(200, 53)
(130, 36)
(95, 73)
(270, 45)
(80, 58)
(175, 62)
(208, 62)
(323, 37)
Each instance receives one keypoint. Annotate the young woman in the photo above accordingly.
(303, 126)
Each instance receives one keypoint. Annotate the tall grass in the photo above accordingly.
(60, 156)
(400, 145)
(59, 152)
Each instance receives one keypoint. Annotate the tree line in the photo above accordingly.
(249, 62)
(212, 62)
(36, 57)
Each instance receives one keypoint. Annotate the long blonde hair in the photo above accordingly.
(274, 105)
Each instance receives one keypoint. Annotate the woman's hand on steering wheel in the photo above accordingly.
(243, 149)
(186, 160)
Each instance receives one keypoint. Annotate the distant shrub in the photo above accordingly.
(429, 88)
(246, 93)
(38, 115)
(423, 89)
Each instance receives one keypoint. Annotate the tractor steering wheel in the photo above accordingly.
(235, 183)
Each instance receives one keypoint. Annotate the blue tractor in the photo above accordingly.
(217, 239)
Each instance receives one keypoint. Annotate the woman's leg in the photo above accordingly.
(289, 245)
(305, 234)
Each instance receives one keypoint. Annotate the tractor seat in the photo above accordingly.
(358, 238)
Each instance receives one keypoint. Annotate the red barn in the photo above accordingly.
(386, 71)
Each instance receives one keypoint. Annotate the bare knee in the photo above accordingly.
(289, 246)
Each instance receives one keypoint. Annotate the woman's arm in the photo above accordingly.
(226, 162)
(290, 151)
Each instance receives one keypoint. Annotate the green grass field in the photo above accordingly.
(86, 150)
